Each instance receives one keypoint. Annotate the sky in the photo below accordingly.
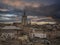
(14, 7)
(22, 3)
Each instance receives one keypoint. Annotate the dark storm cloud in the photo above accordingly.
(19, 3)
(37, 3)
(57, 1)
(57, 12)
(49, 7)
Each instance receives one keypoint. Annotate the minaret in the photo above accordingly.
(24, 19)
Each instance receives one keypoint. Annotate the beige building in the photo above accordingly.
(9, 31)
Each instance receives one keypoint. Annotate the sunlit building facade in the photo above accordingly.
(43, 20)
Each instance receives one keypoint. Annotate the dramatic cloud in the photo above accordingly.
(4, 10)
(20, 4)
(23, 3)
(35, 7)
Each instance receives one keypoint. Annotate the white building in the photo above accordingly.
(39, 34)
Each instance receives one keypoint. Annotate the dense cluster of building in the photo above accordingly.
(27, 34)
